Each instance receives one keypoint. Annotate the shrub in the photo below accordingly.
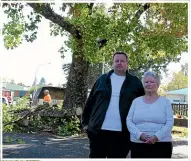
(71, 126)
(10, 115)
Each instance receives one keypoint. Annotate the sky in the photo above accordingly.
(32, 59)
(42, 59)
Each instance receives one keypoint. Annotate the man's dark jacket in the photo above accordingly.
(99, 99)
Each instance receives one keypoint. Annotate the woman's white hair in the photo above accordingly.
(152, 74)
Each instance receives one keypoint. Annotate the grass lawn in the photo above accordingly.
(181, 132)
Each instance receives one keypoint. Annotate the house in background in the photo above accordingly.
(178, 96)
(12, 91)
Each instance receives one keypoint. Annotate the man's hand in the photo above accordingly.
(152, 140)
(144, 137)
(85, 128)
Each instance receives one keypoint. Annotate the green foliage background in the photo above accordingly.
(152, 37)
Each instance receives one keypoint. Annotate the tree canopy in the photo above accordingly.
(152, 34)
(179, 80)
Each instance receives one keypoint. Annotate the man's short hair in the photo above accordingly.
(46, 91)
(120, 53)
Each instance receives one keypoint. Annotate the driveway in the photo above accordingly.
(51, 146)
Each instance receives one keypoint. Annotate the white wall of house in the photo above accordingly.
(177, 98)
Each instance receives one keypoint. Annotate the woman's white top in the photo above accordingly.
(153, 119)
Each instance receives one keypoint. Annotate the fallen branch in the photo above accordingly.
(43, 111)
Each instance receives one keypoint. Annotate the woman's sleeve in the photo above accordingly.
(130, 124)
(167, 128)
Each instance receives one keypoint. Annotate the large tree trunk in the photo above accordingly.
(76, 91)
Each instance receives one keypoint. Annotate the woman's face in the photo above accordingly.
(150, 84)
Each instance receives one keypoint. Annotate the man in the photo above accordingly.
(47, 97)
(106, 109)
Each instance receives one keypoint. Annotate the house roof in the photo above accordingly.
(14, 87)
(183, 91)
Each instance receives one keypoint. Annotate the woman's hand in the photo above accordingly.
(152, 140)
(144, 137)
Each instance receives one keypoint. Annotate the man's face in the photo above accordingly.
(120, 63)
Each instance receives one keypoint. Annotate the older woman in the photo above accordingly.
(150, 121)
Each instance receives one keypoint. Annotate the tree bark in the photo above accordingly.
(76, 91)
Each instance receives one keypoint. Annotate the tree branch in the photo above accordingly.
(90, 6)
(141, 10)
(46, 11)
